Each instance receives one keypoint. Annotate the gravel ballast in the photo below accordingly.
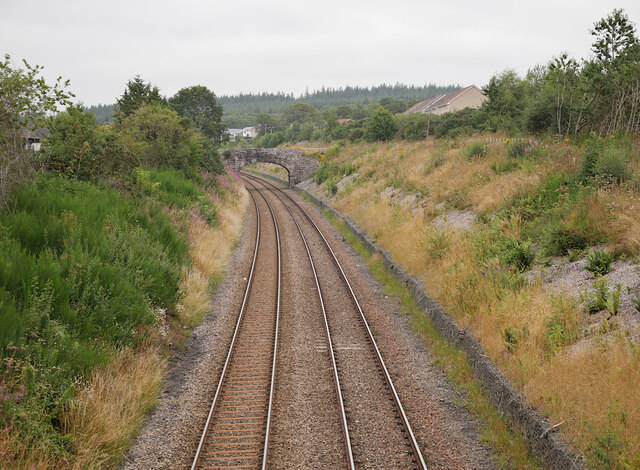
(446, 430)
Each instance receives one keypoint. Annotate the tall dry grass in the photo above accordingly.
(531, 332)
(102, 418)
(210, 250)
(109, 412)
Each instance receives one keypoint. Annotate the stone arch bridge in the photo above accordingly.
(297, 166)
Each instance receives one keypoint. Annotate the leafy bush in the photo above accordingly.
(476, 149)
(330, 170)
(414, 126)
(519, 254)
(604, 160)
(605, 449)
(71, 148)
(464, 122)
(592, 150)
(601, 298)
(381, 126)
(611, 164)
(599, 262)
(332, 185)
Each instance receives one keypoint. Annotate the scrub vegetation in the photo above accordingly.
(111, 239)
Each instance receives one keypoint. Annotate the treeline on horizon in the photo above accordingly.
(241, 110)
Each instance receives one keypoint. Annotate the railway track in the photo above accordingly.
(236, 434)
(375, 430)
(346, 350)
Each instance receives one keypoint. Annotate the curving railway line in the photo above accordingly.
(358, 421)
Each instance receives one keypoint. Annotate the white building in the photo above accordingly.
(233, 133)
(249, 132)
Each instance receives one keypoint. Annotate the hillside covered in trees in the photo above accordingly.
(241, 110)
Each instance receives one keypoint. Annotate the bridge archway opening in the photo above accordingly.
(275, 172)
(298, 167)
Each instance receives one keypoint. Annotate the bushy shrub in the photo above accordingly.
(71, 148)
(604, 160)
(356, 134)
(519, 254)
(476, 149)
(381, 126)
(601, 298)
(611, 164)
(332, 186)
(414, 126)
(599, 262)
(464, 122)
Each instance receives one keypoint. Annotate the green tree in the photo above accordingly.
(267, 124)
(380, 126)
(137, 94)
(25, 100)
(71, 148)
(299, 112)
(200, 105)
(614, 34)
(507, 97)
(162, 139)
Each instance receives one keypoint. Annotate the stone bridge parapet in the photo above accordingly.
(298, 167)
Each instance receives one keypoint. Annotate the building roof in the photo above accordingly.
(38, 134)
(436, 102)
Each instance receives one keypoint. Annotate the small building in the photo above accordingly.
(468, 97)
(233, 133)
(249, 132)
(344, 121)
(33, 138)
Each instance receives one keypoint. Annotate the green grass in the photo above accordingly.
(82, 269)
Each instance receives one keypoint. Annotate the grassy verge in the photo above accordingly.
(510, 447)
(94, 286)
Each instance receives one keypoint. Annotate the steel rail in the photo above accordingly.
(275, 345)
(338, 389)
(219, 387)
(394, 393)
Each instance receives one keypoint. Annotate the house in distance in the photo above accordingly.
(468, 97)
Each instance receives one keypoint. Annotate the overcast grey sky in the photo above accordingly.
(282, 45)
